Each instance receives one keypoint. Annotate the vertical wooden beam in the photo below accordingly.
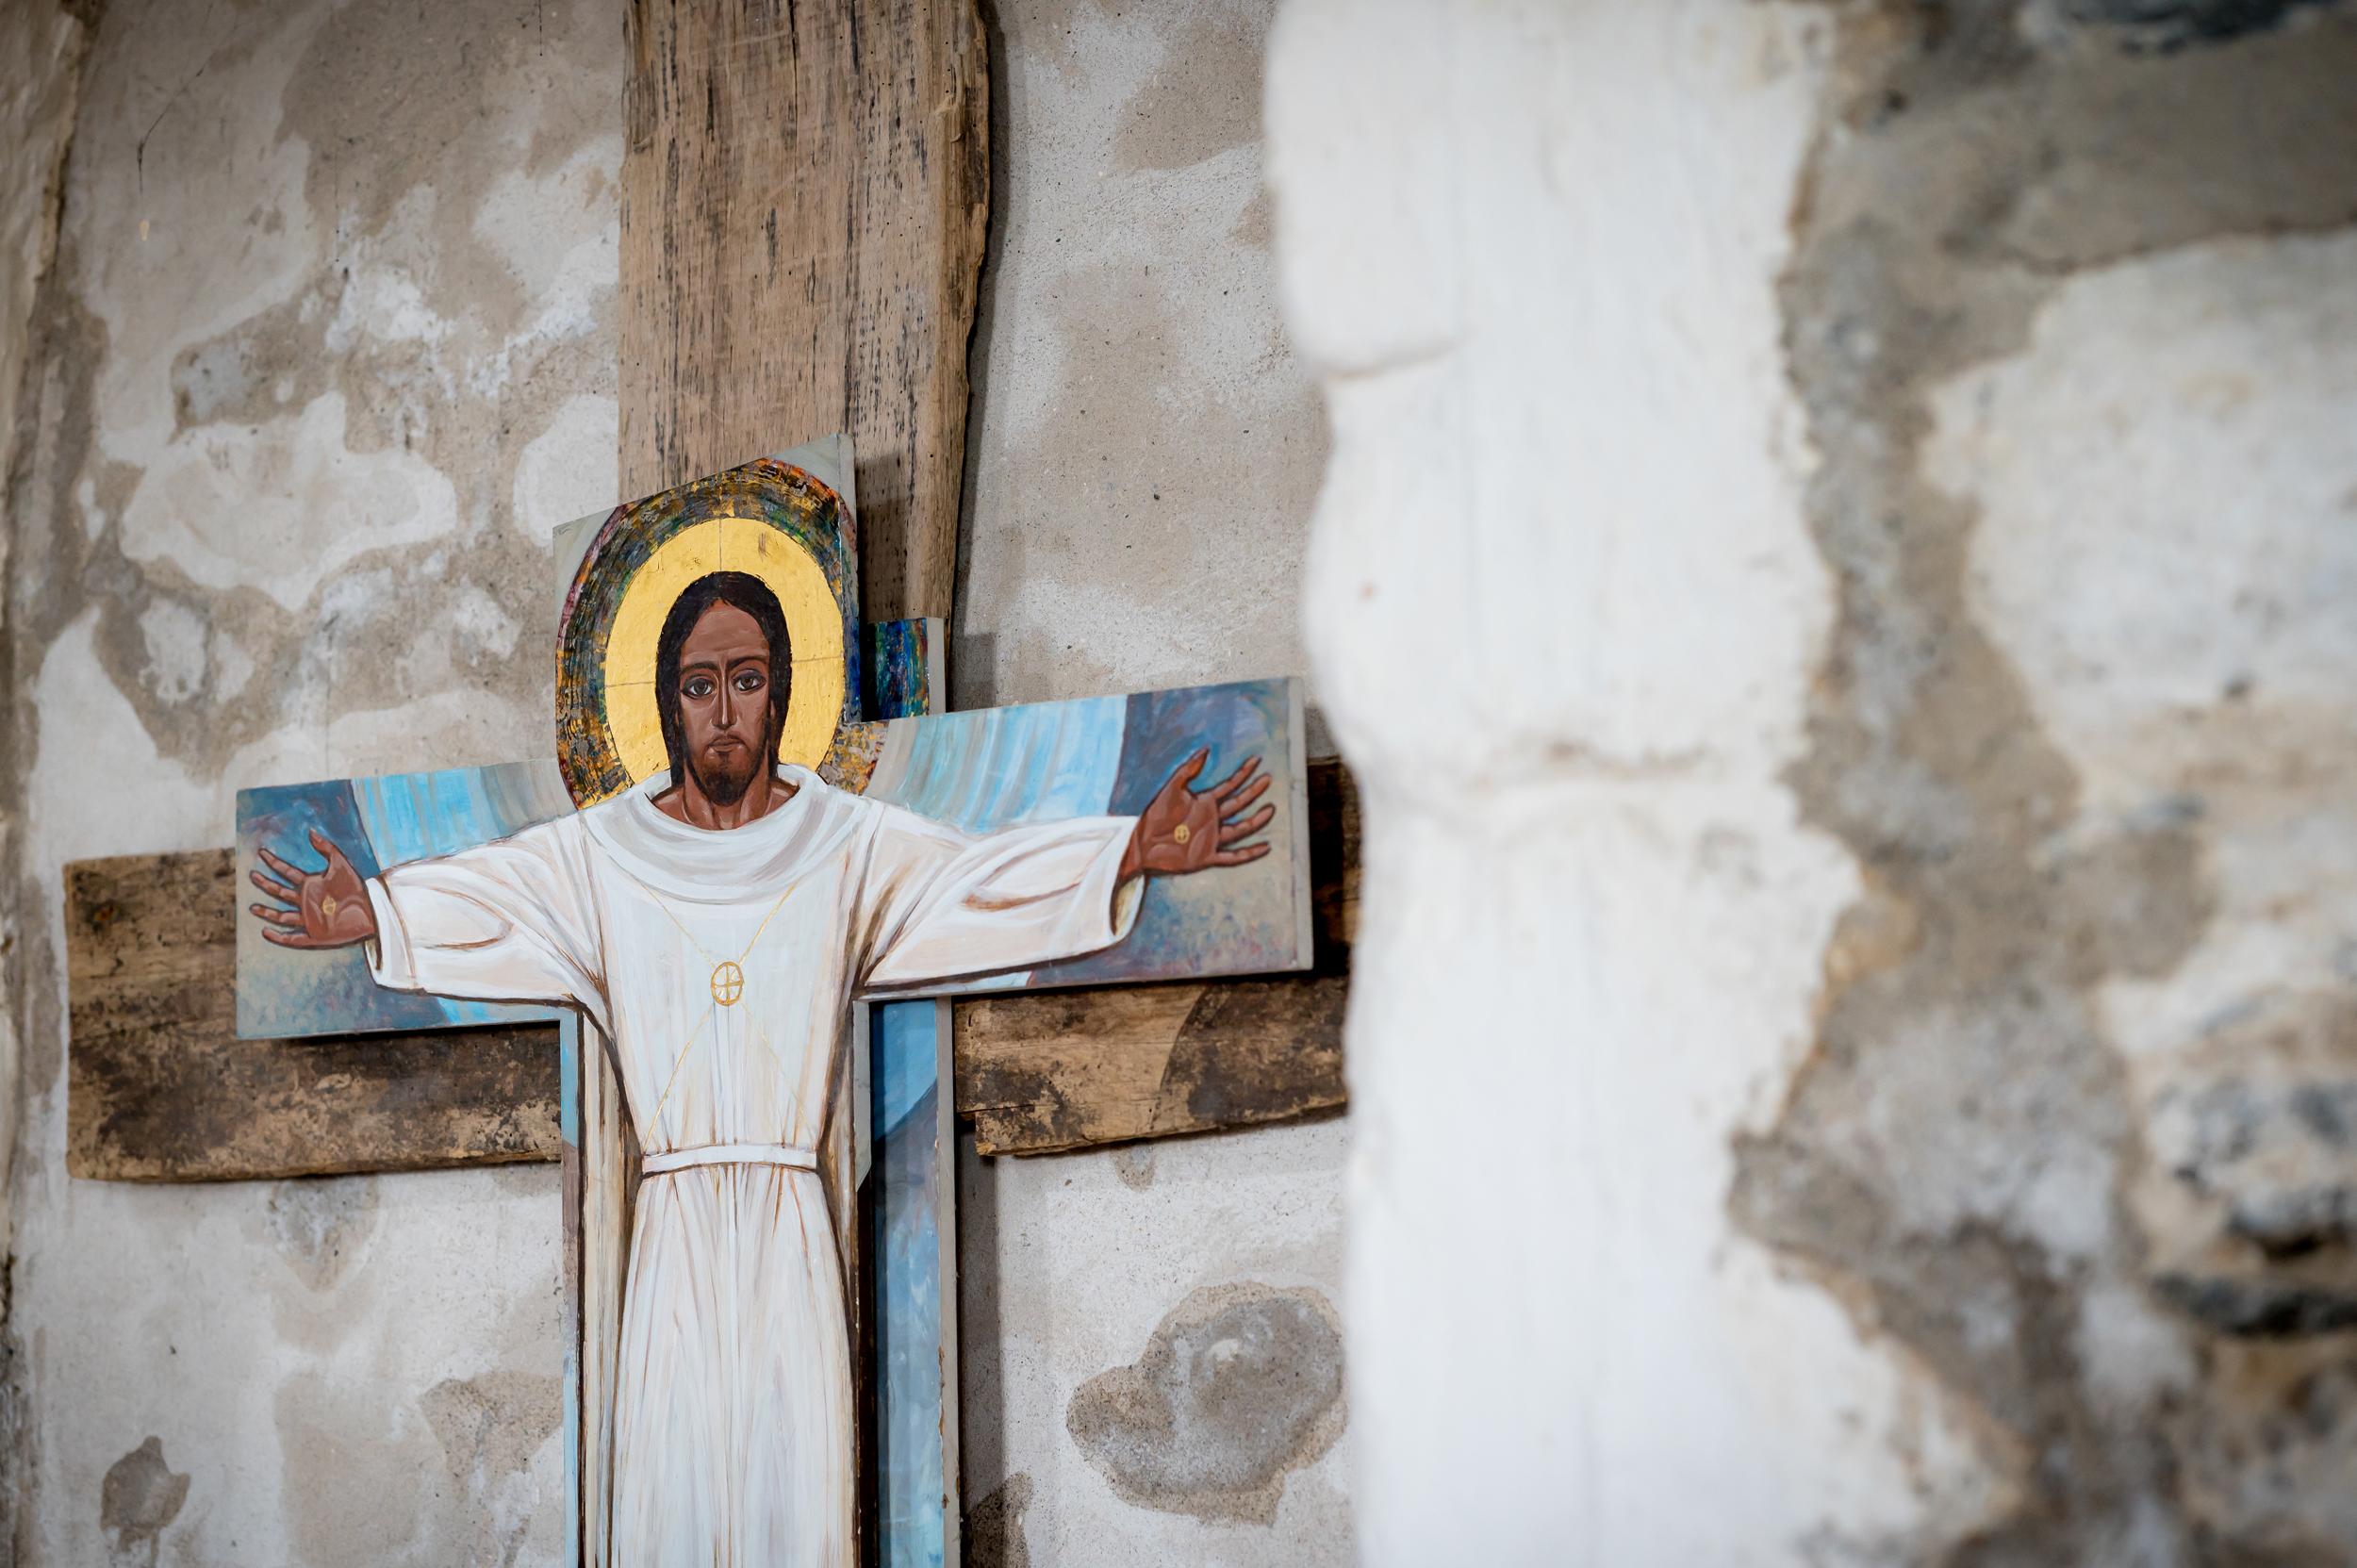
(805, 195)
(805, 192)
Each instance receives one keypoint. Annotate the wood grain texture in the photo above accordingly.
(1063, 1069)
(159, 1088)
(805, 192)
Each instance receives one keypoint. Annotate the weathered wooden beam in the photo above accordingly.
(159, 1088)
(805, 191)
(1063, 1069)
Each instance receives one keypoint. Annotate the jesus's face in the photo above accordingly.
(724, 703)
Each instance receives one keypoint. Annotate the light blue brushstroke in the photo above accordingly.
(997, 768)
(568, 1126)
(905, 1066)
(414, 816)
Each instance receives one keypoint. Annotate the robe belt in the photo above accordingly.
(728, 1154)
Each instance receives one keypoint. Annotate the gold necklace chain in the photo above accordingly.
(728, 974)
(728, 982)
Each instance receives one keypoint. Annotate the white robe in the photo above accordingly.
(732, 1422)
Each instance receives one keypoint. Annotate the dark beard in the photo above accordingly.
(725, 780)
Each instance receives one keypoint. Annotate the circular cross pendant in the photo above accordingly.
(728, 983)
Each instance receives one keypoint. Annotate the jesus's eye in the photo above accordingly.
(749, 679)
(697, 686)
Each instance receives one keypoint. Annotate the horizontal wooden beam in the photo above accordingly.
(159, 1088)
(1050, 1070)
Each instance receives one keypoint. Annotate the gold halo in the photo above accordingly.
(813, 707)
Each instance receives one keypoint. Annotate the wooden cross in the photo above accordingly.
(784, 270)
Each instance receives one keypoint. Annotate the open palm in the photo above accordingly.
(1185, 830)
(328, 908)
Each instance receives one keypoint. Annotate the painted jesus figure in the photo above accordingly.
(713, 923)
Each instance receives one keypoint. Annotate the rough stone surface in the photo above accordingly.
(1238, 1385)
(2074, 334)
(993, 1526)
(139, 1497)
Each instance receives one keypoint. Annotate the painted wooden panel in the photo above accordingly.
(1040, 1072)
(911, 1487)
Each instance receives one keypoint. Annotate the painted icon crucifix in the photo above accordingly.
(738, 860)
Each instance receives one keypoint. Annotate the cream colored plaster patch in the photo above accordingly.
(93, 515)
(568, 469)
(174, 636)
(556, 231)
(231, 665)
(457, 728)
(1145, 443)
(97, 785)
(2167, 551)
(283, 505)
(160, 269)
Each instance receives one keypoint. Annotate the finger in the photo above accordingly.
(1234, 782)
(279, 890)
(1193, 766)
(1222, 857)
(327, 845)
(1243, 798)
(1230, 833)
(277, 917)
(288, 938)
(293, 874)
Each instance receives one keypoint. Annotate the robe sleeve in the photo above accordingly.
(510, 921)
(939, 904)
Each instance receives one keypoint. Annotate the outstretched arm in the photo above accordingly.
(328, 908)
(937, 904)
(510, 920)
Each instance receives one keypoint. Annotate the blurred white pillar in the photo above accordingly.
(1563, 613)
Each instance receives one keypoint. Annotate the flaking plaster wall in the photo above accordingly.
(327, 344)
(329, 326)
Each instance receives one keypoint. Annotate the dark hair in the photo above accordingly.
(752, 596)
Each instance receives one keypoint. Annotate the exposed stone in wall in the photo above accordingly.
(140, 1497)
(2074, 330)
(993, 1526)
(1239, 1385)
